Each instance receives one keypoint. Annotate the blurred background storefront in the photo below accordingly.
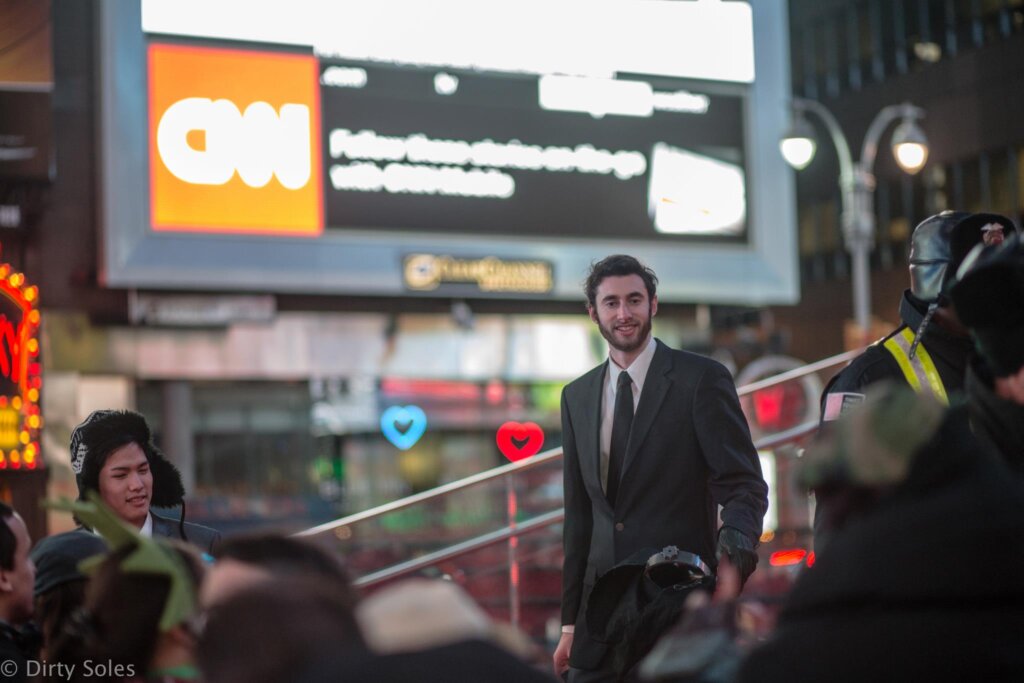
(265, 341)
(448, 206)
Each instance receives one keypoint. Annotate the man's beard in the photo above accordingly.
(627, 347)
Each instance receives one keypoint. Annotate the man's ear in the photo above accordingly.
(6, 585)
(592, 313)
(654, 305)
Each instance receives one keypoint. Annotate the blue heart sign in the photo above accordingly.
(403, 425)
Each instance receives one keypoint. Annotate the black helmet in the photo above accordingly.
(989, 300)
(940, 243)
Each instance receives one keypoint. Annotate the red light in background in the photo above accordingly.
(495, 392)
(779, 407)
(437, 389)
(785, 558)
(810, 559)
(768, 405)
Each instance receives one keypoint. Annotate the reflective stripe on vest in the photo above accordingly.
(919, 371)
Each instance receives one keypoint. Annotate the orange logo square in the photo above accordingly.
(234, 141)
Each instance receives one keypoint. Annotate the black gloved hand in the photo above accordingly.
(740, 550)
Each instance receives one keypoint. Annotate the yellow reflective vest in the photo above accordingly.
(919, 370)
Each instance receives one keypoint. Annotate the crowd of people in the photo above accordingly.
(107, 603)
(132, 596)
(919, 538)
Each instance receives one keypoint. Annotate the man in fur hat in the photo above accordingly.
(113, 453)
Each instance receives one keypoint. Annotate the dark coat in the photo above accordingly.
(17, 647)
(949, 353)
(997, 422)
(203, 537)
(689, 451)
(925, 586)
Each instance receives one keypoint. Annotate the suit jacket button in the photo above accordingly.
(619, 526)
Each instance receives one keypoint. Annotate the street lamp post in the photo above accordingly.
(857, 181)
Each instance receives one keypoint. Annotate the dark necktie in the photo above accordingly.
(622, 421)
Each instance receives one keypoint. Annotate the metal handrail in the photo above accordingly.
(459, 549)
(555, 453)
(437, 492)
(539, 522)
(802, 371)
(787, 436)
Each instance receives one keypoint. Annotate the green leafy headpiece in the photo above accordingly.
(150, 556)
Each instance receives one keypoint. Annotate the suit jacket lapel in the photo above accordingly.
(590, 431)
(656, 386)
(161, 527)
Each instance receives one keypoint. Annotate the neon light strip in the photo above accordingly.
(26, 404)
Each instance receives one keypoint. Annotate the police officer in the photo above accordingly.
(929, 350)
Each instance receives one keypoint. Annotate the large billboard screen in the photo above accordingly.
(489, 156)
(316, 149)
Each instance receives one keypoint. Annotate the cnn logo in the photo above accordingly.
(234, 141)
(205, 142)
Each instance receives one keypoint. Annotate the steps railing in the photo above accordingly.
(344, 528)
(556, 453)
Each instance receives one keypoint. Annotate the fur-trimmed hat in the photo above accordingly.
(940, 243)
(989, 300)
(103, 432)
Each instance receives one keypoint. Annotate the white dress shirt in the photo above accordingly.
(637, 373)
(146, 530)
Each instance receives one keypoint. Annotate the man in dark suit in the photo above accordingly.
(653, 440)
(113, 453)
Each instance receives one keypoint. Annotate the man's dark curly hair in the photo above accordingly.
(618, 265)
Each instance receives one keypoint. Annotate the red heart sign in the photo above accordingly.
(517, 441)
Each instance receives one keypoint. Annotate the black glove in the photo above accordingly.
(740, 550)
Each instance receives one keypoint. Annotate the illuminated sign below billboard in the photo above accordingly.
(451, 275)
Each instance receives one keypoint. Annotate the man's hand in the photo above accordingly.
(561, 657)
(735, 545)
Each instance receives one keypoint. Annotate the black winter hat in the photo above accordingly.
(57, 557)
(103, 432)
(940, 243)
(989, 300)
